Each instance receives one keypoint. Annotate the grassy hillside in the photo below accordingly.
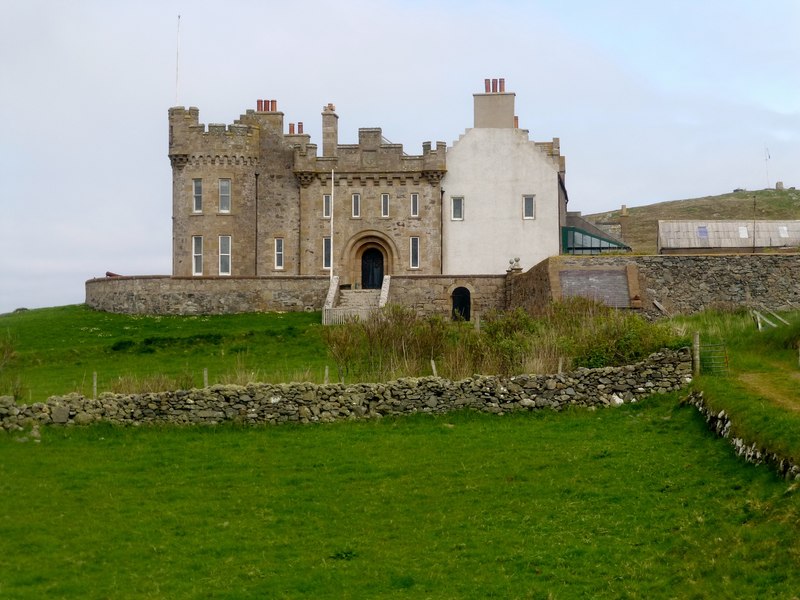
(54, 351)
(642, 221)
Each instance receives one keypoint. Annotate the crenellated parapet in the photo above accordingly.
(373, 159)
(194, 143)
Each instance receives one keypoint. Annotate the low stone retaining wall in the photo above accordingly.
(308, 403)
(720, 423)
(163, 295)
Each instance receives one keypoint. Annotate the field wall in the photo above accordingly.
(721, 424)
(257, 404)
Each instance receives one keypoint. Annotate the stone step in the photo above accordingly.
(359, 299)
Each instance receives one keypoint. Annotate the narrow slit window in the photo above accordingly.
(279, 253)
(326, 253)
(356, 206)
(224, 255)
(414, 205)
(197, 255)
(414, 261)
(384, 205)
(326, 206)
(224, 195)
(197, 195)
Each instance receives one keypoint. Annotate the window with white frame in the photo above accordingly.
(783, 231)
(326, 253)
(384, 205)
(414, 253)
(197, 255)
(457, 208)
(743, 232)
(197, 195)
(224, 255)
(356, 206)
(326, 206)
(224, 195)
(415, 205)
(529, 206)
(279, 253)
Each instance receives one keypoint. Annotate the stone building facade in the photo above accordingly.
(263, 217)
(251, 200)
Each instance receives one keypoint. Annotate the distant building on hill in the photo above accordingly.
(725, 237)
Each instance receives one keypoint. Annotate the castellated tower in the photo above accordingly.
(250, 200)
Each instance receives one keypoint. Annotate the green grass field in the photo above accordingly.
(636, 502)
(58, 350)
(639, 501)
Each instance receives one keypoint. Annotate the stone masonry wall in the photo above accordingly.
(189, 296)
(309, 403)
(683, 284)
(433, 294)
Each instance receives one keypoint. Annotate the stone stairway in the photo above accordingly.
(355, 304)
(359, 299)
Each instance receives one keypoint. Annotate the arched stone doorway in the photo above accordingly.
(462, 301)
(369, 256)
(371, 269)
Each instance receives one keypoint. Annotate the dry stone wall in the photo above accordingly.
(309, 403)
(721, 424)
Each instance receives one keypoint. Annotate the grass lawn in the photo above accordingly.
(761, 392)
(58, 349)
(635, 502)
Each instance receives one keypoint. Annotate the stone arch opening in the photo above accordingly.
(461, 303)
(370, 256)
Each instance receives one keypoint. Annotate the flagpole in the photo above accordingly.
(331, 274)
(177, 59)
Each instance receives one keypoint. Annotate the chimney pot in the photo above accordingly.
(291, 128)
(273, 105)
(299, 127)
(516, 122)
(502, 85)
(494, 86)
(260, 105)
(487, 84)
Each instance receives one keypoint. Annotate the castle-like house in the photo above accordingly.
(250, 200)
(264, 219)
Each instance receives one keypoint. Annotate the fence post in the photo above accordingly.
(94, 385)
(696, 354)
(326, 374)
(205, 377)
(433, 368)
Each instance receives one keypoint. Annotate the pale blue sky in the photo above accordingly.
(652, 101)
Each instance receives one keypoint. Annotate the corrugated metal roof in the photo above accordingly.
(728, 234)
